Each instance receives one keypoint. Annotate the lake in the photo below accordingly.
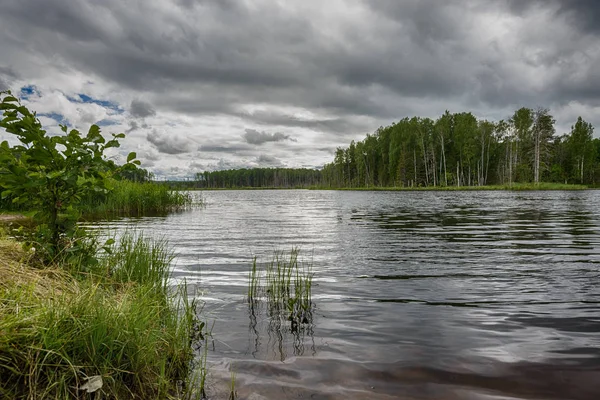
(417, 295)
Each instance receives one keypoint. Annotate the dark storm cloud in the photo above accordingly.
(171, 144)
(253, 136)
(141, 109)
(582, 14)
(355, 64)
(267, 47)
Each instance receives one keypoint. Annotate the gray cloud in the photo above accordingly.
(221, 165)
(215, 148)
(583, 14)
(334, 125)
(265, 160)
(6, 76)
(253, 136)
(133, 126)
(4, 85)
(141, 109)
(149, 155)
(329, 71)
(171, 144)
(272, 53)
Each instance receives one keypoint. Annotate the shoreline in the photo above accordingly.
(512, 188)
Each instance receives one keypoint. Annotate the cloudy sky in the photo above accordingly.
(212, 84)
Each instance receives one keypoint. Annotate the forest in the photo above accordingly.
(461, 150)
(453, 150)
(259, 178)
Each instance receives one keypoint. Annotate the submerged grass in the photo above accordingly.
(285, 284)
(136, 198)
(118, 331)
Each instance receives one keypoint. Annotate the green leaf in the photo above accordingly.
(131, 156)
(109, 242)
(111, 143)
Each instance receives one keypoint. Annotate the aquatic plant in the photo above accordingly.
(286, 286)
(232, 391)
(254, 279)
(136, 198)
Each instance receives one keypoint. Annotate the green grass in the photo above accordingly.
(285, 284)
(512, 187)
(118, 321)
(135, 198)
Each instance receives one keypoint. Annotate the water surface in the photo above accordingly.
(417, 295)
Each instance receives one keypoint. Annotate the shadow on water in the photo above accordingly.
(274, 331)
(329, 379)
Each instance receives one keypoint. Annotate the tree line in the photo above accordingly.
(259, 178)
(461, 150)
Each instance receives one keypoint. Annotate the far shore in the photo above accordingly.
(513, 187)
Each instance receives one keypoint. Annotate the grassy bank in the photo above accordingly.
(124, 198)
(114, 327)
(135, 198)
(513, 187)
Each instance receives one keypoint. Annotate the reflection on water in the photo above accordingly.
(427, 295)
(273, 331)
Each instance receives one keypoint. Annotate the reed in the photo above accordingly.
(232, 391)
(285, 284)
(136, 198)
(254, 280)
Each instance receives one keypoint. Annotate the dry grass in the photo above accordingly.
(16, 273)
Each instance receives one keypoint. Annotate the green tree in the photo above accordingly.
(50, 174)
(543, 132)
(580, 141)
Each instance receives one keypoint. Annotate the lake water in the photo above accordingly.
(417, 295)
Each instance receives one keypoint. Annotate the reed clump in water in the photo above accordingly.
(136, 198)
(285, 284)
(115, 330)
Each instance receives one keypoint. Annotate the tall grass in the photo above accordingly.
(120, 326)
(137, 259)
(136, 198)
